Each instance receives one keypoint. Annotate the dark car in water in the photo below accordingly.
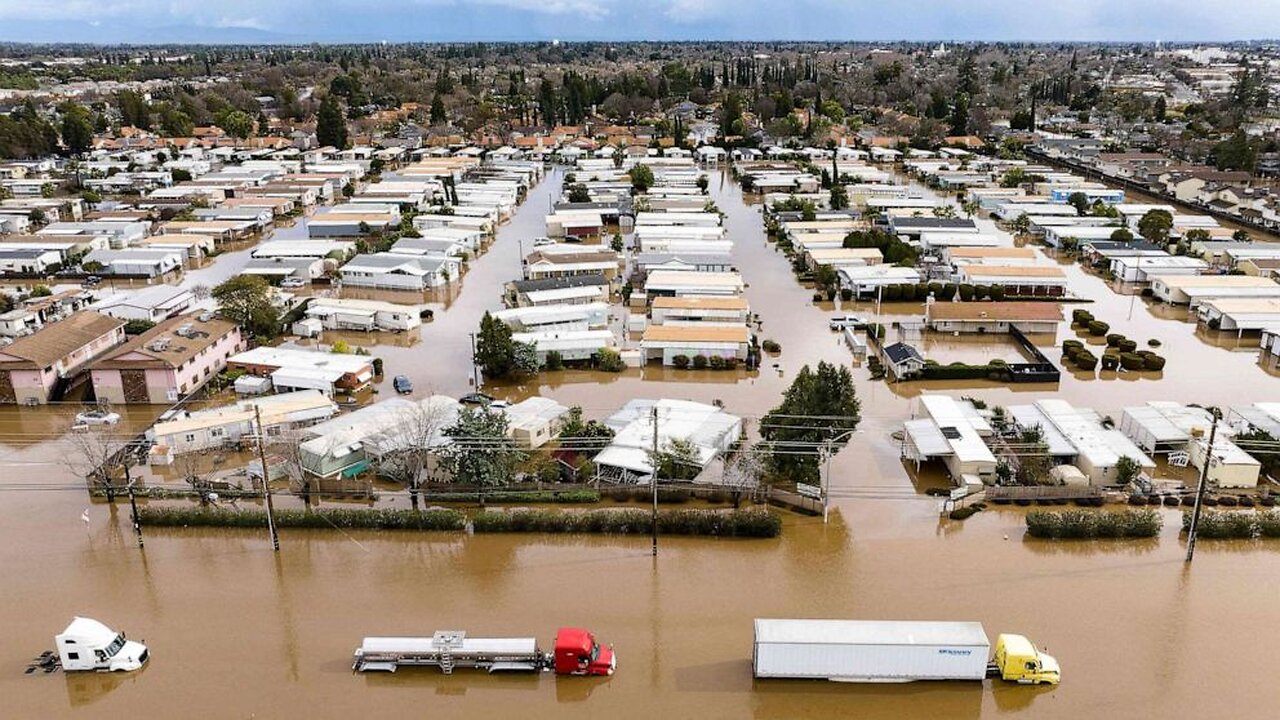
(402, 384)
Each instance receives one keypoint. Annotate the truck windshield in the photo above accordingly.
(595, 651)
(115, 646)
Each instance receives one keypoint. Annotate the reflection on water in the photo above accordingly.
(87, 688)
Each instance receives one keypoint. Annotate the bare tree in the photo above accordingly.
(742, 473)
(288, 445)
(405, 452)
(201, 292)
(96, 453)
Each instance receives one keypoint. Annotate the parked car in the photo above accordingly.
(402, 384)
(97, 417)
(475, 398)
(91, 281)
(499, 405)
(840, 322)
(541, 241)
(293, 282)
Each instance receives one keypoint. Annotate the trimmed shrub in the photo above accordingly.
(1171, 500)
(846, 294)
(1267, 501)
(716, 362)
(1110, 360)
(1097, 328)
(966, 292)
(632, 521)
(771, 346)
(1153, 362)
(1127, 346)
(1113, 339)
(1268, 524)
(1131, 361)
(1188, 500)
(521, 497)
(680, 361)
(324, 518)
(1064, 524)
(962, 513)
(1085, 360)
(1227, 501)
(1080, 316)
(1138, 499)
(700, 362)
(1224, 525)
(1153, 343)
(1069, 346)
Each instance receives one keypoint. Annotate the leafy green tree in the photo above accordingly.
(77, 128)
(480, 454)
(494, 348)
(1155, 226)
(246, 301)
(960, 114)
(1032, 456)
(1127, 470)
(1022, 224)
(616, 243)
(839, 197)
(175, 123)
(1080, 202)
(236, 123)
(438, 115)
(703, 184)
(641, 178)
(1122, 235)
(134, 109)
(524, 358)
(677, 459)
(578, 193)
(820, 410)
(331, 127)
(585, 437)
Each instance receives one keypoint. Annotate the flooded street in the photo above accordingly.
(236, 631)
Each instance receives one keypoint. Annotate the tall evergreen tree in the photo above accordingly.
(331, 127)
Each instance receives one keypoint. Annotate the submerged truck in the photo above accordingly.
(576, 652)
(87, 644)
(894, 651)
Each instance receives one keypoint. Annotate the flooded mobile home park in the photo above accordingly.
(225, 617)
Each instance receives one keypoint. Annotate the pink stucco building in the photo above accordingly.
(32, 366)
(167, 362)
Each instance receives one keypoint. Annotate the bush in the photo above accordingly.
(1226, 525)
(1131, 361)
(1127, 346)
(680, 361)
(327, 518)
(966, 292)
(555, 361)
(633, 521)
(962, 513)
(1097, 328)
(1110, 360)
(1227, 501)
(1153, 343)
(609, 360)
(1113, 339)
(1136, 499)
(673, 496)
(1063, 524)
(817, 297)
(700, 362)
(1188, 500)
(846, 294)
(1070, 347)
(1171, 500)
(717, 362)
(499, 497)
(771, 346)
(1081, 317)
(1153, 362)
(1085, 360)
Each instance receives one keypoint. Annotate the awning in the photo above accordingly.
(356, 469)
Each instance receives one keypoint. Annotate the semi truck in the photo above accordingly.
(87, 644)
(894, 651)
(576, 652)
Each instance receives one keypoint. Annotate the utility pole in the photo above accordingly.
(475, 369)
(826, 482)
(133, 500)
(266, 485)
(1204, 477)
(653, 476)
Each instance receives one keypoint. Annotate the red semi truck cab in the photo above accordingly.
(578, 653)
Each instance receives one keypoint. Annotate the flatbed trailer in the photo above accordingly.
(576, 653)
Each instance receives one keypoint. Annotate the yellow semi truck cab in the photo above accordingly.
(1019, 661)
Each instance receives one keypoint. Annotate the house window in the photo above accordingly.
(190, 437)
(73, 656)
(216, 432)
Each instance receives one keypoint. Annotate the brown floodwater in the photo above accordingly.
(237, 631)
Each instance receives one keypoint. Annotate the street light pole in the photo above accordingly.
(653, 476)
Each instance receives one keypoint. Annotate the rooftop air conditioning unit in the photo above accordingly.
(160, 345)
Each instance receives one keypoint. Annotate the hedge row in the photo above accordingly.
(498, 497)
(346, 518)
(720, 523)
(996, 370)
(628, 521)
(1235, 524)
(1061, 524)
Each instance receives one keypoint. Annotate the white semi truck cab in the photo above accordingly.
(87, 644)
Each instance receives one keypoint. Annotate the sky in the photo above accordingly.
(251, 21)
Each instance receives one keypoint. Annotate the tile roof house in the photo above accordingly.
(32, 368)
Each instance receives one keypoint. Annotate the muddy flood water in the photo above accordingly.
(237, 631)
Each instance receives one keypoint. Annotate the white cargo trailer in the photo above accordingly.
(870, 651)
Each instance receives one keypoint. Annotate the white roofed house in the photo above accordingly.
(708, 429)
(577, 223)
(573, 345)
(680, 283)
(952, 431)
(430, 246)
(710, 340)
(589, 316)
(1140, 269)
(535, 421)
(868, 279)
(191, 431)
(278, 268)
(132, 262)
(351, 444)
(366, 315)
(400, 272)
(574, 290)
(306, 369)
(577, 261)
(1078, 436)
